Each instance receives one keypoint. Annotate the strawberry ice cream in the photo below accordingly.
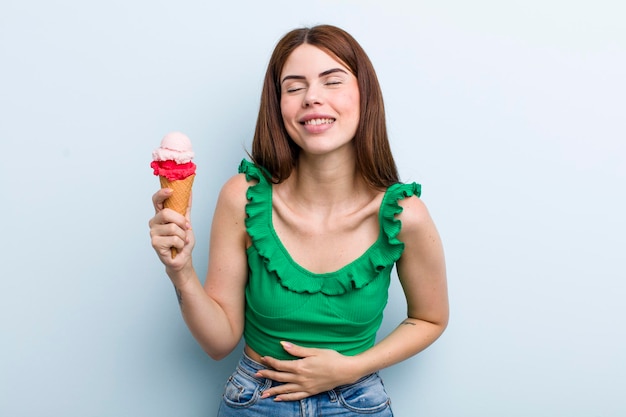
(172, 163)
(173, 158)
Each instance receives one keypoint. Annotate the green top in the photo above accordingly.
(340, 310)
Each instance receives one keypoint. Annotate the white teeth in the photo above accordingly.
(318, 121)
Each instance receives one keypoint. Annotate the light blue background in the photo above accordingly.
(512, 115)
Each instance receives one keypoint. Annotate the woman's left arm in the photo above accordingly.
(422, 273)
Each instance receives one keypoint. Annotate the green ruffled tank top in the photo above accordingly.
(340, 310)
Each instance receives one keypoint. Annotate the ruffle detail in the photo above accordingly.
(377, 259)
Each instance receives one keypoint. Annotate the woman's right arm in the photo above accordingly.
(214, 312)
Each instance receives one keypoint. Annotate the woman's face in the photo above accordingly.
(319, 100)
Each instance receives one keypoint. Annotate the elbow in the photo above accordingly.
(436, 323)
(438, 328)
(218, 354)
(442, 322)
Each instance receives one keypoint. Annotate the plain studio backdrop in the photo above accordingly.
(510, 113)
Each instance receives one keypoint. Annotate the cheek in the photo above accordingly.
(287, 110)
(351, 101)
(287, 118)
(352, 106)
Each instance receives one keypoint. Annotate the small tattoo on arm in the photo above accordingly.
(406, 322)
(179, 296)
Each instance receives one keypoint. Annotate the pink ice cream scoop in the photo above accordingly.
(172, 163)
(173, 158)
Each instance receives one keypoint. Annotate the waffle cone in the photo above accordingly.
(179, 200)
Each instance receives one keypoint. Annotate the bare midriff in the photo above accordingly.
(252, 354)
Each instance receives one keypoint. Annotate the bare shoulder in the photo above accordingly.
(418, 232)
(415, 216)
(233, 194)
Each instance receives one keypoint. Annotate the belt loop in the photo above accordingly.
(333, 395)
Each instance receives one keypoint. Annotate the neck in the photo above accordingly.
(326, 182)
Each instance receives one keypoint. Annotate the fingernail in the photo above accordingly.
(286, 344)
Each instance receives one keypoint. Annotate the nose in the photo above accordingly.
(313, 96)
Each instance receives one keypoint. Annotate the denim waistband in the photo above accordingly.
(243, 396)
(250, 367)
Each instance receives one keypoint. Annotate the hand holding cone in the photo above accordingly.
(172, 163)
(179, 200)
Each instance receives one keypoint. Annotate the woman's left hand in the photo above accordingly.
(316, 371)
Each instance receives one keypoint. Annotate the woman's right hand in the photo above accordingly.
(171, 229)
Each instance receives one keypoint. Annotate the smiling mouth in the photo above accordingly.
(316, 122)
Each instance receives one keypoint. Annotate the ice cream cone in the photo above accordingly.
(172, 163)
(179, 200)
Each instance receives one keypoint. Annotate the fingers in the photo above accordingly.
(167, 236)
(315, 371)
(159, 197)
(278, 376)
(166, 217)
(289, 390)
(299, 351)
(286, 392)
(286, 372)
(168, 229)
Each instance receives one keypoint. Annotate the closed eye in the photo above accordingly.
(293, 87)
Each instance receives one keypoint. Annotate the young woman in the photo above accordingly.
(303, 242)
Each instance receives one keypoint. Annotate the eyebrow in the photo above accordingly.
(321, 74)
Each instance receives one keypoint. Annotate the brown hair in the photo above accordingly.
(273, 149)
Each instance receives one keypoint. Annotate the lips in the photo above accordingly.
(319, 121)
(315, 119)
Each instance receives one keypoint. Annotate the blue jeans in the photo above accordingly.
(242, 397)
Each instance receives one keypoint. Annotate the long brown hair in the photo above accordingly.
(272, 147)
